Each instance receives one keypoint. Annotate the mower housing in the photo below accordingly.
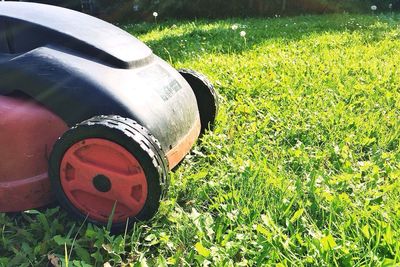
(59, 68)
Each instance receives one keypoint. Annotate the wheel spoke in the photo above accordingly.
(124, 198)
(126, 189)
(81, 183)
(73, 159)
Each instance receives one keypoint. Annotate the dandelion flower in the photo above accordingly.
(155, 14)
(235, 27)
(374, 8)
(243, 35)
(390, 5)
(136, 7)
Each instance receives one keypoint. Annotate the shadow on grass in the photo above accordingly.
(203, 37)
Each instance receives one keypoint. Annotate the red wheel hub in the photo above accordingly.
(96, 174)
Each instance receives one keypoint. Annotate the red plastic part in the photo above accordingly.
(27, 134)
(180, 150)
(122, 180)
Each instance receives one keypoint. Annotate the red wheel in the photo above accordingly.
(108, 161)
(96, 174)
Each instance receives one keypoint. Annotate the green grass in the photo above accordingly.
(303, 166)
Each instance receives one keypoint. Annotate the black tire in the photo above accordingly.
(136, 140)
(206, 96)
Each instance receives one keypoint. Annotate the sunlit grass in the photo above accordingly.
(303, 166)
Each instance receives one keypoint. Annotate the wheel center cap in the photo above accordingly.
(102, 183)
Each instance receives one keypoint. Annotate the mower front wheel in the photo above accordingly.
(109, 167)
(206, 96)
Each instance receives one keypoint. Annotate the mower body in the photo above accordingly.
(58, 68)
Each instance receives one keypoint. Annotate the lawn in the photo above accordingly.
(303, 166)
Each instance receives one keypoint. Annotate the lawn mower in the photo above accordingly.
(90, 116)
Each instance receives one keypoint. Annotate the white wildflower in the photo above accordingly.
(235, 27)
(243, 34)
(155, 14)
(374, 8)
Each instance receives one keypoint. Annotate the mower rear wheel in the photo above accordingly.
(109, 166)
(206, 96)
